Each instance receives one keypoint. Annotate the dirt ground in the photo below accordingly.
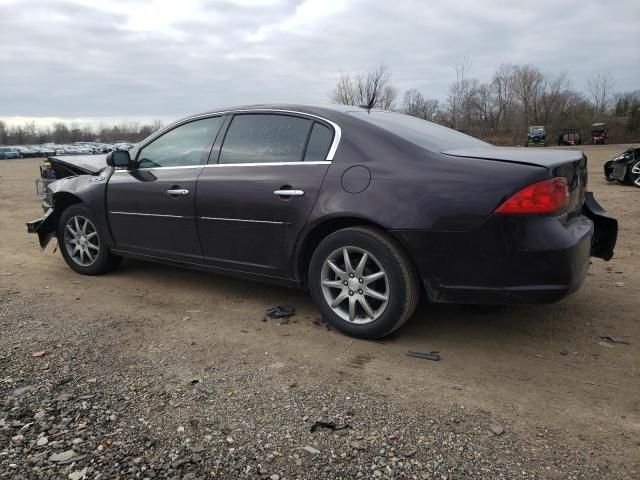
(543, 372)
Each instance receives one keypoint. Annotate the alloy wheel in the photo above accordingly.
(81, 240)
(635, 172)
(355, 285)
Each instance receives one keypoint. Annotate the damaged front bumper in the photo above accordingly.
(45, 227)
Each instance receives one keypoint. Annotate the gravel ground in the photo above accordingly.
(81, 412)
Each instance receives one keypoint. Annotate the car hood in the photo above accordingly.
(78, 164)
(543, 158)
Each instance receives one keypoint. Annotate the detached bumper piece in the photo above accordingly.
(605, 228)
(32, 226)
(45, 227)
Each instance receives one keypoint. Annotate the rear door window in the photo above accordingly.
(264, 138)
(319, 143)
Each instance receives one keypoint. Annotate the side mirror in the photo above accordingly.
(118, 159)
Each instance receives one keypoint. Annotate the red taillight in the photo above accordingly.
(548, 196)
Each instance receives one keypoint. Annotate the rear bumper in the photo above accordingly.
(511, 259)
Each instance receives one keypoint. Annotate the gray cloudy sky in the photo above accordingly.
(166, 58)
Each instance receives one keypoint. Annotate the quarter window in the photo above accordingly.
(183, 146)
(319, 143)
(265, 138)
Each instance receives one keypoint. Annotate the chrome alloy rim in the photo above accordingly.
(81, 240)
(635, 170)
(355, 285)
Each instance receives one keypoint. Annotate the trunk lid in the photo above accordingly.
(570, 164)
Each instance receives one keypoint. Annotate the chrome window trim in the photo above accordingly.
(262, 164)
(148, 214)
(242, 220)
(337, 131)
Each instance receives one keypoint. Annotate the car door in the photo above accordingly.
(252, 202)
(151, 208)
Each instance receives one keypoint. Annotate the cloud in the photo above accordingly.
(165, 58)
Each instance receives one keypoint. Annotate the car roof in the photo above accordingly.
(329, 111)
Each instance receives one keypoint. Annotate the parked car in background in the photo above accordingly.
(569, 136)
(625, 168)
(9, 153)
(27, 152)
(599, 133)
(368, 209)
(536, 136)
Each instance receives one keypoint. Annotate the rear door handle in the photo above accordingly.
(289, 193)
(177, 192)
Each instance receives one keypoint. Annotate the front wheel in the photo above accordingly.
(82, 244)
(363, 282)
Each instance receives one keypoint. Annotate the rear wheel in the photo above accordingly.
(363, 282)
(82, 244)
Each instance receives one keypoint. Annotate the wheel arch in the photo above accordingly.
(61, 201)
(326, 227)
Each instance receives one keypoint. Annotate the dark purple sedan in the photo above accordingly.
(369, 210)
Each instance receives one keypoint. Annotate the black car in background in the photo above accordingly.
(369, 210)
(625, 168)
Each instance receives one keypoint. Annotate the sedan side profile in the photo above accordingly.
(368, 209)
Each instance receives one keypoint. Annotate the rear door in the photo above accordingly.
(151, 208)
(254, 198)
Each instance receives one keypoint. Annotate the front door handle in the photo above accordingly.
(177, 192)
(289, 193)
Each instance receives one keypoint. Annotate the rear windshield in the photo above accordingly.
(428, 135)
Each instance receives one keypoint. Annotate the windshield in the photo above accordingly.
(536, 130)
(427, 135)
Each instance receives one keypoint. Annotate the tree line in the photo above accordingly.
(501, 109)
(498, 110)
(62, 133)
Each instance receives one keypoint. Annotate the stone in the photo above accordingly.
(309, 449)
(78, 475)
(42, 441)
(62, 457)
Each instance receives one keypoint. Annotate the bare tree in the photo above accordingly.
(4, 133)
(371, 90)
(599, 87)
(416, 105)
(503, 91)
(458, 94)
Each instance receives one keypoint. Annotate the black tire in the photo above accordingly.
(104, 261)
(403, 283)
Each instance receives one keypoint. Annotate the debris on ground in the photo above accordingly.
(497, 430)
(39, 354)
(321, 322)
(613, 339)
(328, 425)
(280, 312)
(309, 449)
(433, 355)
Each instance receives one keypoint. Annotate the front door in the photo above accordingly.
(151, 208)
(252, 204)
